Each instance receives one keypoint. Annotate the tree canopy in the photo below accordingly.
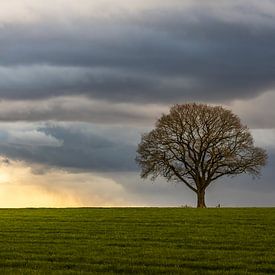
(197, 144)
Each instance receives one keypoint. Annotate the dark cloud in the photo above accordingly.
(161, 55)
(80, 109)
(78, 149)
(124, 64)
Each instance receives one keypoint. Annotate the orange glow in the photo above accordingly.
(21, 186)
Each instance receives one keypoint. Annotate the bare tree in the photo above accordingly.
(196, 144)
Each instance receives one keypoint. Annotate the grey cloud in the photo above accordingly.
(36, 82)
(164, 54)
(124, 65)
(79, 149)
(257, 112)
(83, 146)
(81, 109)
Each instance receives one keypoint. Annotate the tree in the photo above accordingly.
(196, 144)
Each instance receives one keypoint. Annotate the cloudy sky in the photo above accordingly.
(80, 81)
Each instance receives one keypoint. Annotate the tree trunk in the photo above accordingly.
(201, 199)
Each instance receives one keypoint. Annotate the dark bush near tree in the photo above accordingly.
(196, 144)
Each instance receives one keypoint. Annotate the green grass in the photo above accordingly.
(137, 240)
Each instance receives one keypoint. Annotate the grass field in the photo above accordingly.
(137, 240)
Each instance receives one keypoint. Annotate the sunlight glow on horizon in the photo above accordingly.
(21, 187)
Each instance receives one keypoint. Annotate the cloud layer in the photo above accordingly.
(75, 147)
(157, 53)
(80, 81)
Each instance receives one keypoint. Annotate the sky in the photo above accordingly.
(81, 81)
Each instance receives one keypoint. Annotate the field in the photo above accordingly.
(137, 240)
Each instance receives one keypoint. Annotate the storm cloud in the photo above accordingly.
(80, 81)
(156, 53)
(75, 147)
